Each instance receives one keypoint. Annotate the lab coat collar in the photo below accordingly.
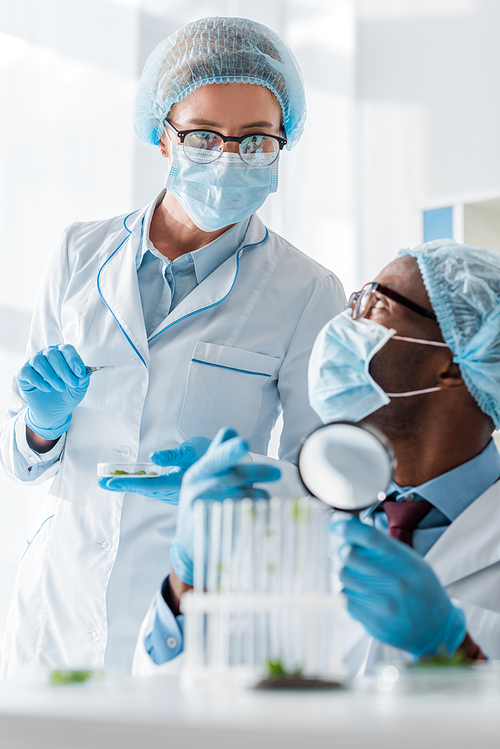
(215, 287)
(119, 289)
(470, 543)
(144, 226)
(207, 258)
(134, 221)
(118, 285)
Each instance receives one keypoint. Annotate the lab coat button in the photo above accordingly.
(171, 642)
(95, 634)
(125, 452)
(105, 545)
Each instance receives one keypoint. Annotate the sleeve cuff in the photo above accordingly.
(164, 639)
(28, 461)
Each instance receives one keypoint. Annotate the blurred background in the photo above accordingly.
(401, 143)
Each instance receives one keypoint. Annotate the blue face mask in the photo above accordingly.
(340, 385)
(220, 193)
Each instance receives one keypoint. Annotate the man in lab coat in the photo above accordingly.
(416, 354)
(206, 316)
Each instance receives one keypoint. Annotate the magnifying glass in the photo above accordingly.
(348, 466)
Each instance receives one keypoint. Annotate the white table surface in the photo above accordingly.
(153, 712)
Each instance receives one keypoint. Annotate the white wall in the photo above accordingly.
(429, 115)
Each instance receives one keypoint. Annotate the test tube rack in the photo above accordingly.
(262, 592)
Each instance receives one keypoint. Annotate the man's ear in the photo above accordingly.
(449, 375)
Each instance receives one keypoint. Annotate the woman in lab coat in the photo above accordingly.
(207, 318)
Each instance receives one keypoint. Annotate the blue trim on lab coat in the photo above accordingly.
(99, 286)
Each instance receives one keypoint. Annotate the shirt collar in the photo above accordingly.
(453, 491)
(207, 258)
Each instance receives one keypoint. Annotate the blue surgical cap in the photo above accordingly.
(463, 284)
(218, 50)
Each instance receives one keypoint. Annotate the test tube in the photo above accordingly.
(226, 570)
(236, 646)
(274, 546)
(225, 580)
(215, 515)
(247, 546)
(196, 633)
(199, 550)
(261, 529)
(274, 562)
(247, 580)
(300, 515)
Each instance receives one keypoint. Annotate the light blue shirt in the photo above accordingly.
(164, 284)
(450, 494)
(165, 639)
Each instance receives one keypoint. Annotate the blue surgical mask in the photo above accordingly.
(341, 387)
(222, 192)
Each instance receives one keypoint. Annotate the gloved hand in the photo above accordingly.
(165, 488)
(395, 594)
(53, 382)
(216, 476)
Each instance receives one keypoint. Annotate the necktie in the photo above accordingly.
(404, 517)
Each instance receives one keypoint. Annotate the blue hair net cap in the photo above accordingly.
(463, 284)
(218, 50)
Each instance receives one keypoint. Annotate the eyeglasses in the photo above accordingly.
(205, 146)
(361, 302)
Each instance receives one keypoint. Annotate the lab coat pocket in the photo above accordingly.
(224, 388)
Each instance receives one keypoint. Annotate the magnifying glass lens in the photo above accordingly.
(346, 465)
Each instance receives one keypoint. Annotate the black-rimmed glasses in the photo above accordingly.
(361, 302)
(205, 146)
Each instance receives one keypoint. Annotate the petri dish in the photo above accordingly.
(131, 470)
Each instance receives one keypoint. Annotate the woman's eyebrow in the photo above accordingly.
(262, 123)
(215, 125)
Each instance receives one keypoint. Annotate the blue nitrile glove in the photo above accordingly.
(395, 594)
(216, 476)
(53, 382)
(165, 488)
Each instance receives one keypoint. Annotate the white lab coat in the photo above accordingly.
(466, 560)
(233, 352)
